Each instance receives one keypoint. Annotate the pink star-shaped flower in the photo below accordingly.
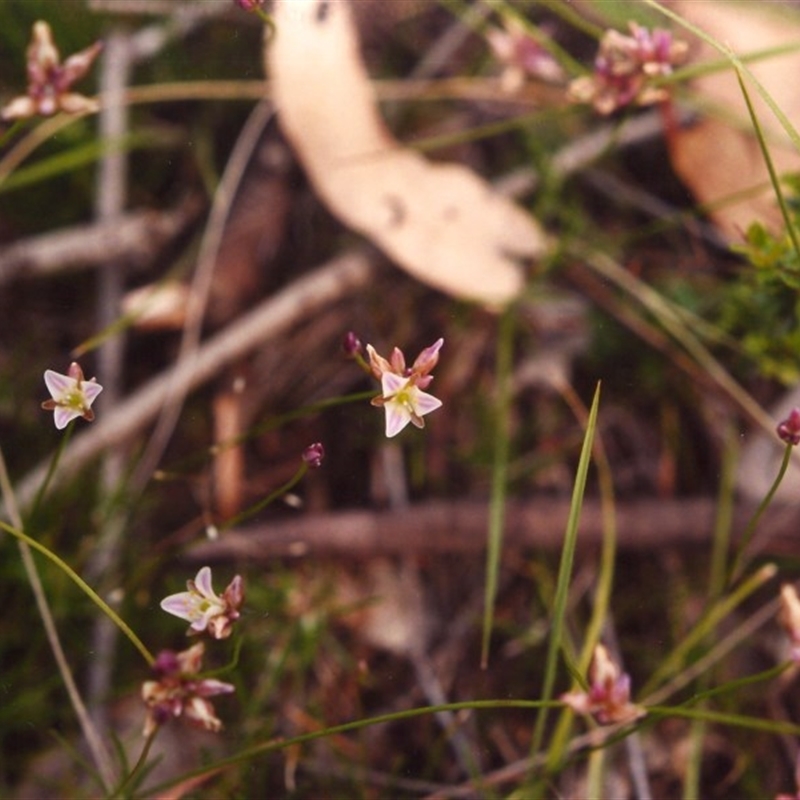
(71, 395)
(402, 397)
(405, 402)
(608, 696)
(49, 80)
(203, 608)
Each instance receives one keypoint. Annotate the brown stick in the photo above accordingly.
(440, 527)
(134, 238)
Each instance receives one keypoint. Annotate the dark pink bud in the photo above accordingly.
(234, 595)
(351, 344)
(313, 455)
(166, 663)
(427, 359)
(789, 429)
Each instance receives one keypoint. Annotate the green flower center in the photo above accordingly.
(74, 399)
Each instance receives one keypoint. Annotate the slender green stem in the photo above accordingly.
(713, 615)
(281, 744)
(37, 500)
(674, 323)
(605, 579)
(694, 762)
(505, 340)
(270, 498)
(724, 519)
(742, 633)
(773, 173)
(720, 718)
(736, 686)
(83, 586)
(750, 530)
(140, 764)
(266, 19)
(265, 427)
(736, 61)
(559, 739)
(596, 774)
(573, 17)
(12, 131)
(694, 70)
(231, 665)
(95, 743)
(716, 586)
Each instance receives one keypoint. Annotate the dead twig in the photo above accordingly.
(110, 201)
(135, 238)
(445, 527)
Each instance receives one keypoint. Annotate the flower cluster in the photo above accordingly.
(203, 608)
(521, 56)
(71, 395)
(178, 690)
(625, 67)
(49, 80)
(403, 397)
(608, 697)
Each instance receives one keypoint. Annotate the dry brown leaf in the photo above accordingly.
(720, 156)
(440, 222)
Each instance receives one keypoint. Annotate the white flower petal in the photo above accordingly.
(57, 384)
(63, 416)
(90, 391)
(392, 384)
(203, 583)
(180, 605)
(397, 417)
(424, 403)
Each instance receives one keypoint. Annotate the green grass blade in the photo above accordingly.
(565, 571)
(84, 587)
(499, 477)
(773, 174)
(737, 62)
(75, 158)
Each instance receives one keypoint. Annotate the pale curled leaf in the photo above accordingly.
(719, 158)
(440, 222)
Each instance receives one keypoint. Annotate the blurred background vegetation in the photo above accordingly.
(316, 650)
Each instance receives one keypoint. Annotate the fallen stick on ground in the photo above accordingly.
(460, 527)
